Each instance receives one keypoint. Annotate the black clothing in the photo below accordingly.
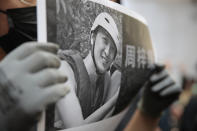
(12, 117)
(22, 28)
(91, 93)
(189, 117)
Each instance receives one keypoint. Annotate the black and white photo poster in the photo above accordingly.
(105, 51)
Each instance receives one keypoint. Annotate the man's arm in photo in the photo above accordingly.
(69, 107)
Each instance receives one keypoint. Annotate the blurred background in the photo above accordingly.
(173, 28)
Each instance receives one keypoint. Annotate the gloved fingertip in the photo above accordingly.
(57, 62)
(64, 91)
(63, 77)
(53, 44)
(154, 89)
(153, 78)
(155, 68)
(49, 47)
(159, 67)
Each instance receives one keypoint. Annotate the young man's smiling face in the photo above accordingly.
(104, 50)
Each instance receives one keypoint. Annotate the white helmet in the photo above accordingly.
(107, 22)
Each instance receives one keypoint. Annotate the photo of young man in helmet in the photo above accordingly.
(94, 90)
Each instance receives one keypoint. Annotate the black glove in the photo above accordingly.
(159, 92)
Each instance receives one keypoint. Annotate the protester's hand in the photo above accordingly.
(31, 75)
(159, 92)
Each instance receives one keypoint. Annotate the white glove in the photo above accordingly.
(29, 80)
(31, 72)
(159, 92)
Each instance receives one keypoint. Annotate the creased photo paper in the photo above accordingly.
(105, 51)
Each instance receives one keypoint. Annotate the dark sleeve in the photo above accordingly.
(17, 120)
(11, 41)
(12, 117)
(189, 118)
